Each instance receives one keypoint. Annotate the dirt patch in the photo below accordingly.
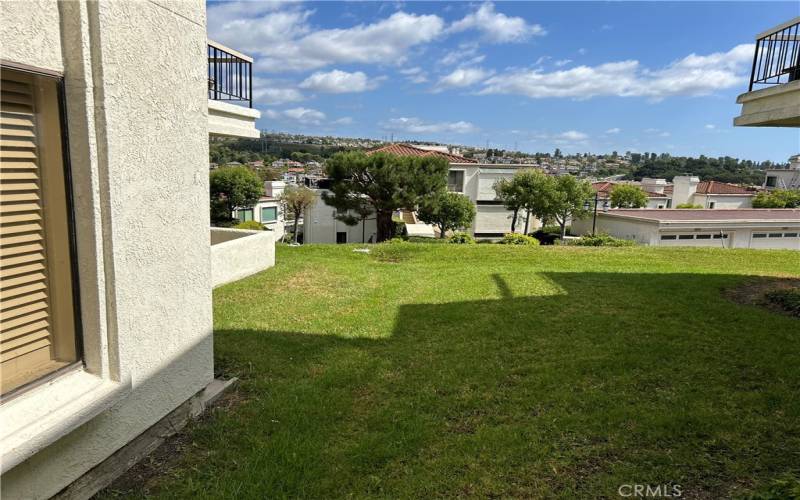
(753, 292)
(141, 479)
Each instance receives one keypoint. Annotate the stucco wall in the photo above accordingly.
(237, 253)
(320, 225)
(135, 74)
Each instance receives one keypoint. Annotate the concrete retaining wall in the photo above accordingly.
(237, 253)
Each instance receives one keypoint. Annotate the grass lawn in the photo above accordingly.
(486, 370)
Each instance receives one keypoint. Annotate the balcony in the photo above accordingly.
(230, 93)
(773, 97)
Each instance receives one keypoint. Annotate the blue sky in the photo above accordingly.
(580, 76)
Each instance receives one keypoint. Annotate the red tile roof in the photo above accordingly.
(605, 187)
(735, 214)
(715, 187)
(409, 150)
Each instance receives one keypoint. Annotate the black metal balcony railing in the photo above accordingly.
(777, 57)
(230, 78)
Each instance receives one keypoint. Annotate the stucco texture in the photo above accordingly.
(141, 155)
(236, 254)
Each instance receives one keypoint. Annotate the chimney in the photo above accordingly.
(654, 185)
(274, 189)
(684, 188)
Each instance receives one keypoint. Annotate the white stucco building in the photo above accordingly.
(106, 293)
(724, 228)
(268, 210)
(783, 178)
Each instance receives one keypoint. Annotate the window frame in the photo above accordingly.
(264, 221)
(463, 178)
(72, 241)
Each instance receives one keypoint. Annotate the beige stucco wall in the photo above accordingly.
(135, 75)
(237, 253)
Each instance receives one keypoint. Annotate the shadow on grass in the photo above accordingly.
(623, 378)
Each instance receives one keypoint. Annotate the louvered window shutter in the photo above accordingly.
(27, 335)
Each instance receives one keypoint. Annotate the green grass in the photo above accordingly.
(490, 370)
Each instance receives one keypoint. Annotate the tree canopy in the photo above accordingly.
(448, 211)
(564, 199)
(232, 188)
(387, 182)
(628, 196)
(779, 198)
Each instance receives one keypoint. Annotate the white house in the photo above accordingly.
(710, 194)
(724, 228)
(268, 210)
(784, 178)
(320, 224)
(106, 304)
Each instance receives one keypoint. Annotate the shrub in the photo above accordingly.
(518, 239)
(251, 225)
(461, 239)
(601, 240)
(788, 299)
(688, 205)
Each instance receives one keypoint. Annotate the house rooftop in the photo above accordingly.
(409, 150)
(715, 215)
(715, 187)
(604, 188)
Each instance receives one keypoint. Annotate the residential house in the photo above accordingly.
(655, 198)
(106, 112)
(721, 228)
(784, 178)
(710, 194)
(267, 210)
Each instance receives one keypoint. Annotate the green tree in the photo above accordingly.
(563, 198)
(387, 182)
(232, 188)
(512, 196)
(628, 196)
(295, 200)
(447, 211)
(779, 198)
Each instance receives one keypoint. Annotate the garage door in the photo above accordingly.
(775, 239)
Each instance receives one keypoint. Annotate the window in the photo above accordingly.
(685, 236)
(703, 236)
(37, 334)
(269, 214)
(722, 236)
(669, 203)
(341, 237)
(759, 235)
(668, 236)
(455, 181)
(775, 235)
(245, 215)
(790, 235)
(712, 204)
(772, 181)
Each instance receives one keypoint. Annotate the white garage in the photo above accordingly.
(725, 228)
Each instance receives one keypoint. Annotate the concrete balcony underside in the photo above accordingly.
(777, 106)
(230, 120)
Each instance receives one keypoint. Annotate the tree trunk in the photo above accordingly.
(442, 230)
(295, 228)
(364, 230)
(527, 220)
(514, 220)
(383, 219)
(563, 224)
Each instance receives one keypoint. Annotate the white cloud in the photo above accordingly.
(691, 76)
(415, 74)
(462, 77)
(338, 82)
(664, 134)
(614, 130)
(303, 116)
(272, 92)
(282, 39)
(497, 27)
(346, 120)
(465, 54)
(710, 126)
(573, 136)
(562, 62)
(417, 126)
(582, 51)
